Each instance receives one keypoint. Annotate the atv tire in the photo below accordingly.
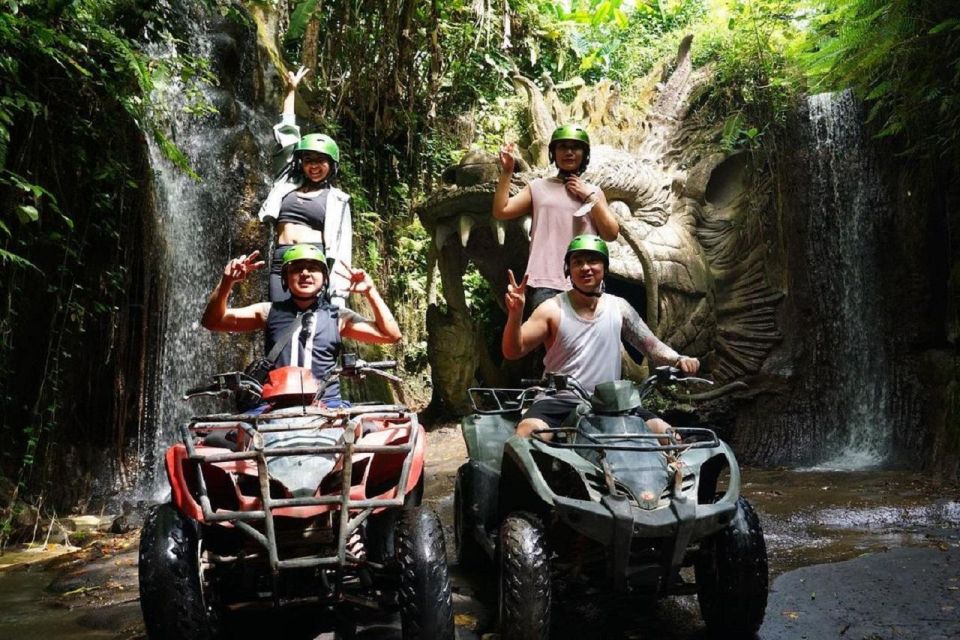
(469, 554)
(426, 605)
(171, 598)
(380, 527)
(731, 573)
(525, 589)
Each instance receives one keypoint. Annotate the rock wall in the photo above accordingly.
(825, 286)
(890, 362)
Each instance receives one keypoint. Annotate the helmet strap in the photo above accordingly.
(591, 294)
(563, 175)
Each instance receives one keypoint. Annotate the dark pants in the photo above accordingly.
(537, 296)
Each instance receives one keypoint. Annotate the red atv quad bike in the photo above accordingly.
(295, 504)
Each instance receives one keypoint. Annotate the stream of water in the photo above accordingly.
(846, 214)
(194, 220)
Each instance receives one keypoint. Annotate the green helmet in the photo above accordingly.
(570, 132)
(319, 143)
(594, 244)
(302, 252)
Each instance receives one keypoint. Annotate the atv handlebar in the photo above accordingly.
(357, 367)
(668, 375)
(223, 384)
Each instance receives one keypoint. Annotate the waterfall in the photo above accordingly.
(846, 216)
(196, 222)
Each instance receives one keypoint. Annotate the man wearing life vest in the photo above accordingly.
(317, 344)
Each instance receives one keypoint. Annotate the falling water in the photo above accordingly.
(846, 216)
(194, 242)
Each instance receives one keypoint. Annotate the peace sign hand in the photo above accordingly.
(294, 78)
(238, 269)
(516, 295)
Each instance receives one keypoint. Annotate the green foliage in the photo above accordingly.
(903, 58)
(76, 101)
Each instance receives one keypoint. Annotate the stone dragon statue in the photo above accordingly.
(691, 254)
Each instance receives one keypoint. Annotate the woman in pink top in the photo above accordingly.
(563, 207)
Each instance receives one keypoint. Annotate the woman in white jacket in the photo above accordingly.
(303, 204)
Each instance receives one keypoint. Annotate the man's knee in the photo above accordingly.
(658, 425)
(527, 426)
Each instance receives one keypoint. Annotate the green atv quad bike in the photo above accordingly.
(605, 511)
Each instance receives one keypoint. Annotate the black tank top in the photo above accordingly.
(311, 211)
(321, 322)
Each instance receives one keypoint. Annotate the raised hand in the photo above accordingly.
(508, 157)
(294, 77)
(516, 295)
(238, 269)
(359, 279)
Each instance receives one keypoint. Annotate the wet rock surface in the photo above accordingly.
(862, 555)
(901, 593)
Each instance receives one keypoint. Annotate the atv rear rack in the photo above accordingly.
(496, 401)
(254, 429)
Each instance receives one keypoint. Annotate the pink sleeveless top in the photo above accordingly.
(553, 228)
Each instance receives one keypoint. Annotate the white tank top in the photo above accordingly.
(588, 350)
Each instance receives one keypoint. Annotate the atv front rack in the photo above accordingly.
(618, 441)
(254, 427)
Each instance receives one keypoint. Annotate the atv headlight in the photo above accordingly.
(562, 479)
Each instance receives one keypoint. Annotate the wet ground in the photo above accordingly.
(853, 555)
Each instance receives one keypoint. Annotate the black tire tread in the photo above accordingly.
(170, 596)
(525, 586)
(426, 604)
(732, 577)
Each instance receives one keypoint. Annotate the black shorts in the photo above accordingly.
(554, 409)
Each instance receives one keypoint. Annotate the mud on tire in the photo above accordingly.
(525, 590)
(170, 595)
(731, 573)
(426, 606)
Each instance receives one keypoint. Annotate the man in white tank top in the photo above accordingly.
(563, 207)
(582, 330)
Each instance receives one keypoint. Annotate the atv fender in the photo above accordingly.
(485, 436)
(710, 463)
(522, 486)
(481, 488)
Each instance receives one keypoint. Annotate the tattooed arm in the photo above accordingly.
(636, 332)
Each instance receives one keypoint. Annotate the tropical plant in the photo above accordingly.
(75, 83)
(903, 58)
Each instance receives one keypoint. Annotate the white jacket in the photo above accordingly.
(337, 226)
